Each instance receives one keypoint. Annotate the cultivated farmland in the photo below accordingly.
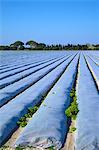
(49, 100)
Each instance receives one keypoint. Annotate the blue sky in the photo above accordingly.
(49, 21)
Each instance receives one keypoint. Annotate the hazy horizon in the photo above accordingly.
(50, 22)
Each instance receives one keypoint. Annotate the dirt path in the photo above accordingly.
(70, 140)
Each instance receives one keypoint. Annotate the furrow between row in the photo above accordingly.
(18, 106)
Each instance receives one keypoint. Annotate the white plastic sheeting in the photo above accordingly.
(12, 90)
(88, 104)
(16, 108)
(26, 65)
(9, 58)
(94, 70)
(48, 126)
(16, 65)
(28, 71)
(20, 70)
(94, 59)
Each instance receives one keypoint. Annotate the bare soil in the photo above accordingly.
(70, 140)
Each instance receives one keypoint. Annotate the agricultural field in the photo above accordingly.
(49, 100)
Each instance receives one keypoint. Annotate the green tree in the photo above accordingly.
(32, 44)
(41, 46)
(17, 45)
(4, 47)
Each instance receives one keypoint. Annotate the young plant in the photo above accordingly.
(32, 110)
(51, 148)
(72, 110)
(18, 148)
(22, 124)
(72, 93)
(28, 115)
(72, 129)
(23, 120)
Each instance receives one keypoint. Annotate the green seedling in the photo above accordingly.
(51, 148)
(72, 129)
(28, 115)
(22, 124)
(44, 104)
(23, 120)
(72, 93)
(32, 110)
(72, 110)
(18, 148)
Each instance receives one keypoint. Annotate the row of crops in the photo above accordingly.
(37, 89)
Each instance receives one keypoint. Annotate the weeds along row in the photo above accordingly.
(52, 131)
(44, 105)
(73, 109)
(71, 112)
(29, 98)
(44, 114)
(87, 135)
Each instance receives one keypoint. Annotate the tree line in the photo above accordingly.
(33, 45)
